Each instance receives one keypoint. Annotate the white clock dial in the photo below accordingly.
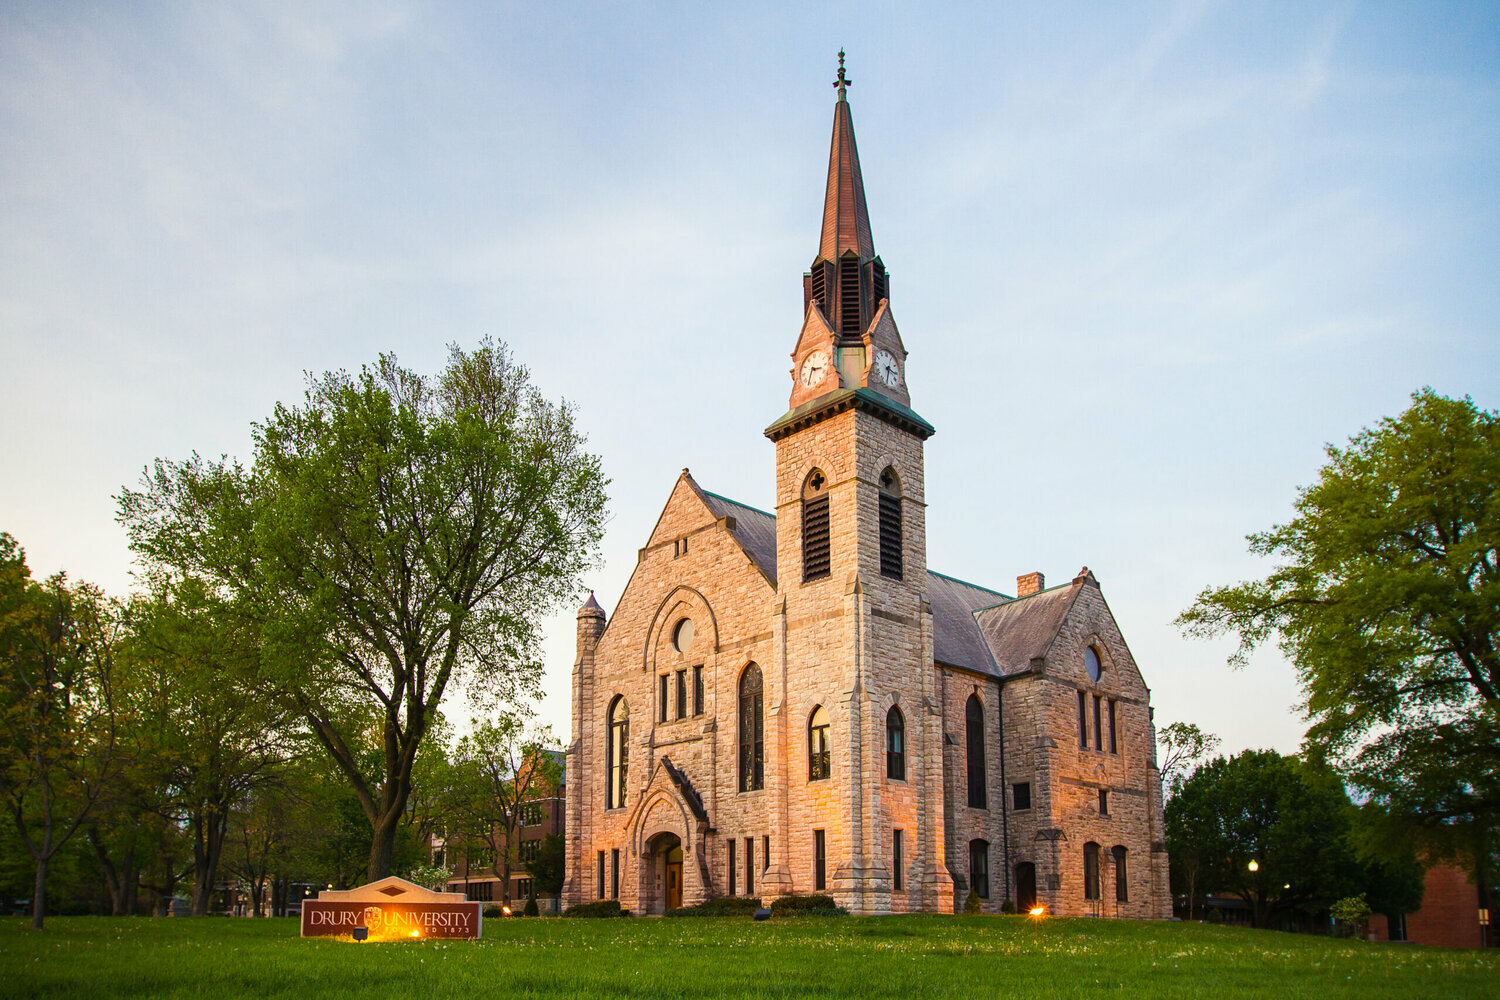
(886, 370)
(814, 368)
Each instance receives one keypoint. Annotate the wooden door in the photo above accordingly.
(674, 878)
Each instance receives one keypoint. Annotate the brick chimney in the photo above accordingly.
(1030, 584)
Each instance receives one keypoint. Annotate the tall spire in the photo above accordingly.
(847, 280)
(846, 218)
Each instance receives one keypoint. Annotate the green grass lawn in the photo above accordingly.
(1009, 957)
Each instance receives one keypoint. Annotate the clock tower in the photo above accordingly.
(852, 624)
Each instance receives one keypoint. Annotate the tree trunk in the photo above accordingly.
(39, 894)
(383, 846)
(208, 845)
(130, 882)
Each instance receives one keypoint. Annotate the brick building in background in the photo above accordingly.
(793, 703)
(1454, 913)
(480, 876)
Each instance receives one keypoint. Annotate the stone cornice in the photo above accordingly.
(864, 399)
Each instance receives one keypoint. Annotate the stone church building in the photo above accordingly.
(794, 703)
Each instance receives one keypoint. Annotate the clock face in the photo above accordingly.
(814, 368)
(886, 370)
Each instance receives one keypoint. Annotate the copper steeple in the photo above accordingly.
(847, 280)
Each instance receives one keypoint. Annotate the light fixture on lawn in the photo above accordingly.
(361, 933)
(1254, 866)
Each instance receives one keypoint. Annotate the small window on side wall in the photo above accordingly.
(1021, 795)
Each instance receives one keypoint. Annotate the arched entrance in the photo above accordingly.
(665, 866)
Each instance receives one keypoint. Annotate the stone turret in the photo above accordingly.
(591, 622)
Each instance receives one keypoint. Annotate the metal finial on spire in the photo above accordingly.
(842, 82)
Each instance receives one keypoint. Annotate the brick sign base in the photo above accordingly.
(391, 921)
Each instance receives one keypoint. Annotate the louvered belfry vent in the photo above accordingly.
(816, 554)
(890, 536)
(849, 318)
(818, 289)
(879, 282)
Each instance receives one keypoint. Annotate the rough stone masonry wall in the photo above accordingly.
(1043, 746)
(715, 584)
(856, 643)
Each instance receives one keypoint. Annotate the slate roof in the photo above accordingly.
(956, 635)
(1018, 631)
(754, 529)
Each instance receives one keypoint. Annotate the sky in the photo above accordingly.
(1148, 259)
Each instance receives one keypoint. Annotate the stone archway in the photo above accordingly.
(662, 867)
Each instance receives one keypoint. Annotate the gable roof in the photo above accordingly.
(754, 529)
(1018, 631)
(956, 636)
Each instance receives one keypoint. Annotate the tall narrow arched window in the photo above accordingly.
(816, 552)
(974, 728)
(890, 524)
(1091, 870)
(752, 730)
(817, 745)
(895, 745)
(1122, 881)
(617, 752)
(979, 868)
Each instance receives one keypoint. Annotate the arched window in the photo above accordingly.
(1122, 881)
(752, 730)
(1091, 663)
(895, 745)
(617, 752)
(1091, 870)
(816, 554)
(817, 745)
(974, 726)
(979, 868)
(890, 524)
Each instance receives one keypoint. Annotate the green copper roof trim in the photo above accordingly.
(737, 503)
(864, 398)
(976, 586)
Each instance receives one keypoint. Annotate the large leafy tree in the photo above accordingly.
(59, 708)
(1259, 807)
(208, 741)
(1386, 598)
(396, 534)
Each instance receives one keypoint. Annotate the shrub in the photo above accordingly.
(807, 906)
(973, 904)
(1008, 907)
(1352, 914)
(598, 908)
(724, 906)
(493, 910)
(530, 909)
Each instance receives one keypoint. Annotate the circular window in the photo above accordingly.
(682, 636)
(1091, 663)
